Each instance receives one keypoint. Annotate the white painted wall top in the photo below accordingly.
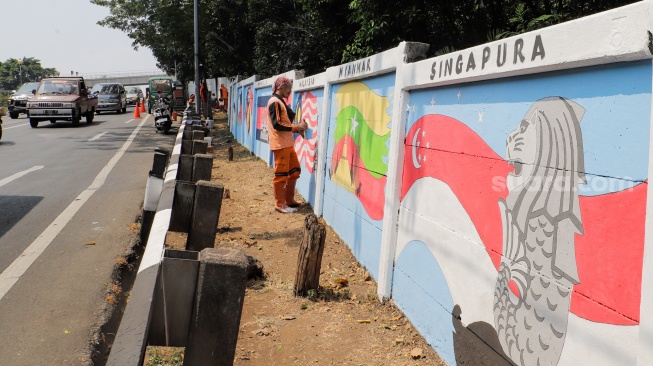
(292, 75)
(607, 37)
(249, 80)
(379, 63)
(310, 82)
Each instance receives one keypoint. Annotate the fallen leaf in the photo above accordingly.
(89, 243)
(416, 353)
(364, 321)
(66, 331)
(288, 317)
(367, 277)
(342, 282)
(396, 318)
(399, 340)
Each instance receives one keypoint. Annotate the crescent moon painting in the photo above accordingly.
(413, 150)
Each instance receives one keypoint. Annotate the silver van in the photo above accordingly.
(111, 97)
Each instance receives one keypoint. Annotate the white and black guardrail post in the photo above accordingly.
(153, 190)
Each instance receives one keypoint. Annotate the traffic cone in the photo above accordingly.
(136, 113)
(143, 107)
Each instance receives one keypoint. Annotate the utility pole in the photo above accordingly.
(20, 70)
(197, 60)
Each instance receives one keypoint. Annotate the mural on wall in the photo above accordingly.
(361, 135)
(557, 205)
(541, 216)
(306, 109)
(249, 105)
(262, 115)
(240, 106)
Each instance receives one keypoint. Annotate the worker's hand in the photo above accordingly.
(300, 128)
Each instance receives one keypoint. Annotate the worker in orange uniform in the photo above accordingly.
(224, 95)
(281, 129)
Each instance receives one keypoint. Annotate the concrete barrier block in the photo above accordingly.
(200, 146)
(198, 134)
(185, 170)
(218, 308)
(202, 167)
(187, 146)
(205, 215)
(182, 207)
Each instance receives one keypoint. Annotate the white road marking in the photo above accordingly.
(96, 137)
(19, 266)
(131, 120)
(9, 128)
(20, 174)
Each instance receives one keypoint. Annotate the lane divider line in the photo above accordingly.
(20, 265)
(130, 121)
(9, 128)
(96, 136)
(20, 174)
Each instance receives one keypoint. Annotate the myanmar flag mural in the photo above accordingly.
(360, 153)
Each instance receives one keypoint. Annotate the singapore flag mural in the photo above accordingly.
(530, 208)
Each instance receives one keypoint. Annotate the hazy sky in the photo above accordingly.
(64, 34)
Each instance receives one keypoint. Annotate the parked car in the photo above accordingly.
(134, 94)
(18, 100)
(61, 98)
(111, 97)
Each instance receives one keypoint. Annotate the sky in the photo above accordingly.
(64, 35)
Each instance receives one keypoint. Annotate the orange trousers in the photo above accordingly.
(286, 165)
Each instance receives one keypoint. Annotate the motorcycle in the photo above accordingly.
(162, 117)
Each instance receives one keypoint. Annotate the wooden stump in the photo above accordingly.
(231, 153)
(309, 259)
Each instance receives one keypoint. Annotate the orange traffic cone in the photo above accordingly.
(136, 113)
(143, 107)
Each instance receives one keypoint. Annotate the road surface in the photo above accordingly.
(62, 187)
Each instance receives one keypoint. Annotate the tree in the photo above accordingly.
(267, 37)
(15, 72)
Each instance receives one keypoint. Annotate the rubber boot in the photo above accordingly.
(290, 193)
(280, 198)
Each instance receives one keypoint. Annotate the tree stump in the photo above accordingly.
(231, 153)
(309, 259)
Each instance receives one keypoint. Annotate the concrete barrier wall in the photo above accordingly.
(498, 193)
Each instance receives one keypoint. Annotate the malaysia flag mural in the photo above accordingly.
(306, 109)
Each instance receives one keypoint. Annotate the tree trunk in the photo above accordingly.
(309, 259)
(230, 153)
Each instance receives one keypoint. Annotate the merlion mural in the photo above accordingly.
(306, 110)
(530, 216)
(541, 216)
(359, 157)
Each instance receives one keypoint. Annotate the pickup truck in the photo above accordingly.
(61, 98)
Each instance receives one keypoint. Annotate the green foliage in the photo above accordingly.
(268, 37)
(15, 72)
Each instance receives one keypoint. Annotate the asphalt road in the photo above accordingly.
(60, 187)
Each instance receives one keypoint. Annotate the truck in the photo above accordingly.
(61, 99)
(158, 84)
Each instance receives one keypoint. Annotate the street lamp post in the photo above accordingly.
(20, 71)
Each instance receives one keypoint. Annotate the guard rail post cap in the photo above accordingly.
(218, 307)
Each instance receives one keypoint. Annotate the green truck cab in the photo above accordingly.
(158, 84)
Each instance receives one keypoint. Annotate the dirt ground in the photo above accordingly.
(343, 323)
